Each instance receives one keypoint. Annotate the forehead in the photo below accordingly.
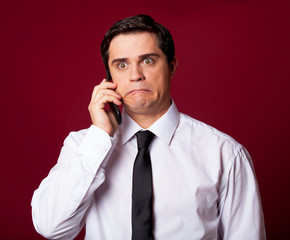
(133, 44)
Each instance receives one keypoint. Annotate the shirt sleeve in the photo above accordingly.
(60, 202)
(240, 205)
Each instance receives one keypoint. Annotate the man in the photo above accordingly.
(202, 184)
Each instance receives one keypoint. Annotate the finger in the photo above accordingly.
(105, 98)
(105, 92)
(104, 85)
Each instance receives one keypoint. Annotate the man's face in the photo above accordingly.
(140, 69)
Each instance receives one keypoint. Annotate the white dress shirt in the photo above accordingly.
(204, 184)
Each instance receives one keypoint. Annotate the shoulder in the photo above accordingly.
(200, 128)
(206, 137)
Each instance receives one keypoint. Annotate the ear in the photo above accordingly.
(173, 66)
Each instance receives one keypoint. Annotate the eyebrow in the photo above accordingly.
(148, 55)
(143, 56)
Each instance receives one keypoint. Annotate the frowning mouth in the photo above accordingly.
(136, 91)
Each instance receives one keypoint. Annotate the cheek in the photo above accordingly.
(120, 89)
(120, 80)
(164, 88)
(161, 82)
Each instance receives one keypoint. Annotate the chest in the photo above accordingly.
(184, 182)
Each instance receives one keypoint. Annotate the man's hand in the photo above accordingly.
(102, 94)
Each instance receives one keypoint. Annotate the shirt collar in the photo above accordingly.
(163, 128)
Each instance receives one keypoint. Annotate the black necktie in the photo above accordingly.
(142, 189)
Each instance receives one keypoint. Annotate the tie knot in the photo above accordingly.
(144, 139)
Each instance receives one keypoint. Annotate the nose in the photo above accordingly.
(136, 73)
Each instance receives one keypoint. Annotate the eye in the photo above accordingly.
(122, 65)
(148, 61)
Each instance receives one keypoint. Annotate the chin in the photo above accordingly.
(138, 105)
(138, 102)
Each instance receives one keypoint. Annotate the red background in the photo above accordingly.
(233, 74)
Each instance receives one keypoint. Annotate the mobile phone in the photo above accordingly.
(115, 109)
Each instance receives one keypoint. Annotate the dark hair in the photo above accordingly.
(139, 23)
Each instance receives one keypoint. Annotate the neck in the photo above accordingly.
(146, 118)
